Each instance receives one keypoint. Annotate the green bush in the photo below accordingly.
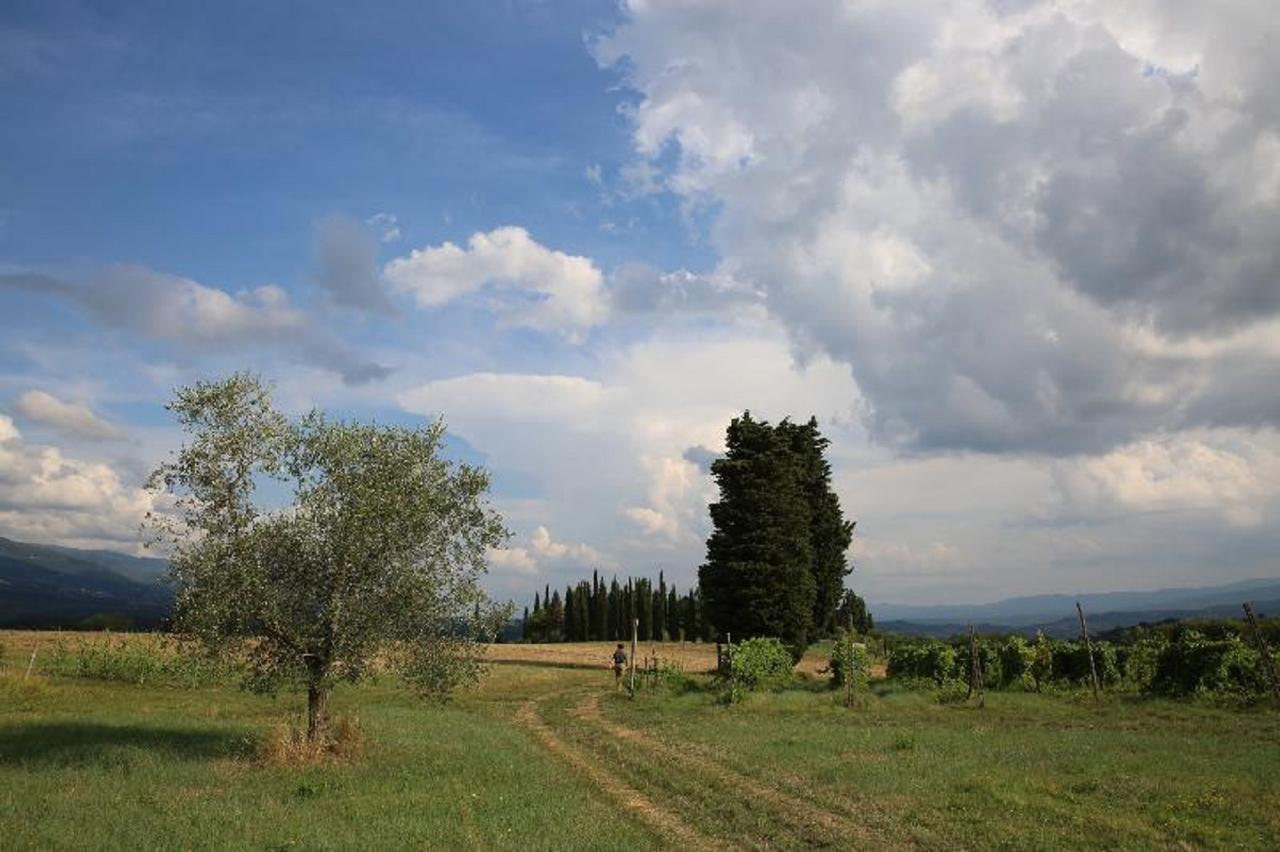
(760, 663)
(1192, 663)
(849, 659)
(1016, 658)
(930, 660)
(951, 692)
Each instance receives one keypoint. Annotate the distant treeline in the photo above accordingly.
(599, 611)
(596, 611)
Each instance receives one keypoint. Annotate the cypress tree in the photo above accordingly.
(570, 616)
(644, 608)
(593, 616)
(600, 604)
(614, 631)
(673, 615)
(524, 626)
(660, 609)
(555, 620)
(829, 533)
(758, 579)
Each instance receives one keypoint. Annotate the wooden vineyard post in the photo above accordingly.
(31, 663)
(848, 661)
(1088, 647)
(635, 633)
(975, 669)
(1268, 662)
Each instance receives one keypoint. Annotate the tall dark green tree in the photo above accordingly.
(570, 615)
(758, 576)
(582, 612)
(673, 615)
(614, 631)
(853, 611)
(829, 532)
(600, 606)
(555, 618)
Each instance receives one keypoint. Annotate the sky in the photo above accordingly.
(1019, 257)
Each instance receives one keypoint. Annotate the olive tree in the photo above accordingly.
(315, 548)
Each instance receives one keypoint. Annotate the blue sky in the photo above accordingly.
(1015, 257)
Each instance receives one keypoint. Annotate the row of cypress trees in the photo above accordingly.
(599, 611)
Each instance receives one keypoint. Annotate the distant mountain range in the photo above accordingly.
(1056, 614)
(46, 586)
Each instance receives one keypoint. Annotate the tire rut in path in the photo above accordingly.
(670, 827)
(794, 811)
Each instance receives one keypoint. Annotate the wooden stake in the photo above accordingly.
(848, 675)
(635, 633)
(975, 669)
(1268, 662)
(1088, 646)
(31, 663)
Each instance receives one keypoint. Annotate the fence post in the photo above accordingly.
(635, 632)
(31, 663)
(975, 669)
(1088, 647)
(1268, 662)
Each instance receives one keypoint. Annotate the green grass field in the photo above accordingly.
(552, 758)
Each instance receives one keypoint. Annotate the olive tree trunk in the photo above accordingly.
(317, 711)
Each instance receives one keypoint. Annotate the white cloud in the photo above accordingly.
(542, 553)
(979, 206)
(528, 284)
(47, 496)
(608, 453)
(72, 418)
(1234, 475)
(192, 316)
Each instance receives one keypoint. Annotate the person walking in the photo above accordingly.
(619, 663)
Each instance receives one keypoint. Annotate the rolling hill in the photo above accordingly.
(45, 586)
(1056, 614)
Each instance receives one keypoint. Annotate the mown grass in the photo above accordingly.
(88, 763)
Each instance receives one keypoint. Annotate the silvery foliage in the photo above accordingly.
(320, 550)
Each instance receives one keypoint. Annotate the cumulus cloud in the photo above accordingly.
(187, 314)
(346, 265)
(980, 207)
(1226, 473)
(610, 453)
(542, 552)
(71, 418)
(47, 496)
(527, 284)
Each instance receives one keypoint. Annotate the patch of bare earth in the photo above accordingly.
(796, 812)
(670, 827)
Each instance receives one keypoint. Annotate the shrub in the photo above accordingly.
(931, 660)
(951, 692)
(1016, 657)
(759, 663)
(990, 668)
(1071, 662)
(1192, 663)
(849, 659)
